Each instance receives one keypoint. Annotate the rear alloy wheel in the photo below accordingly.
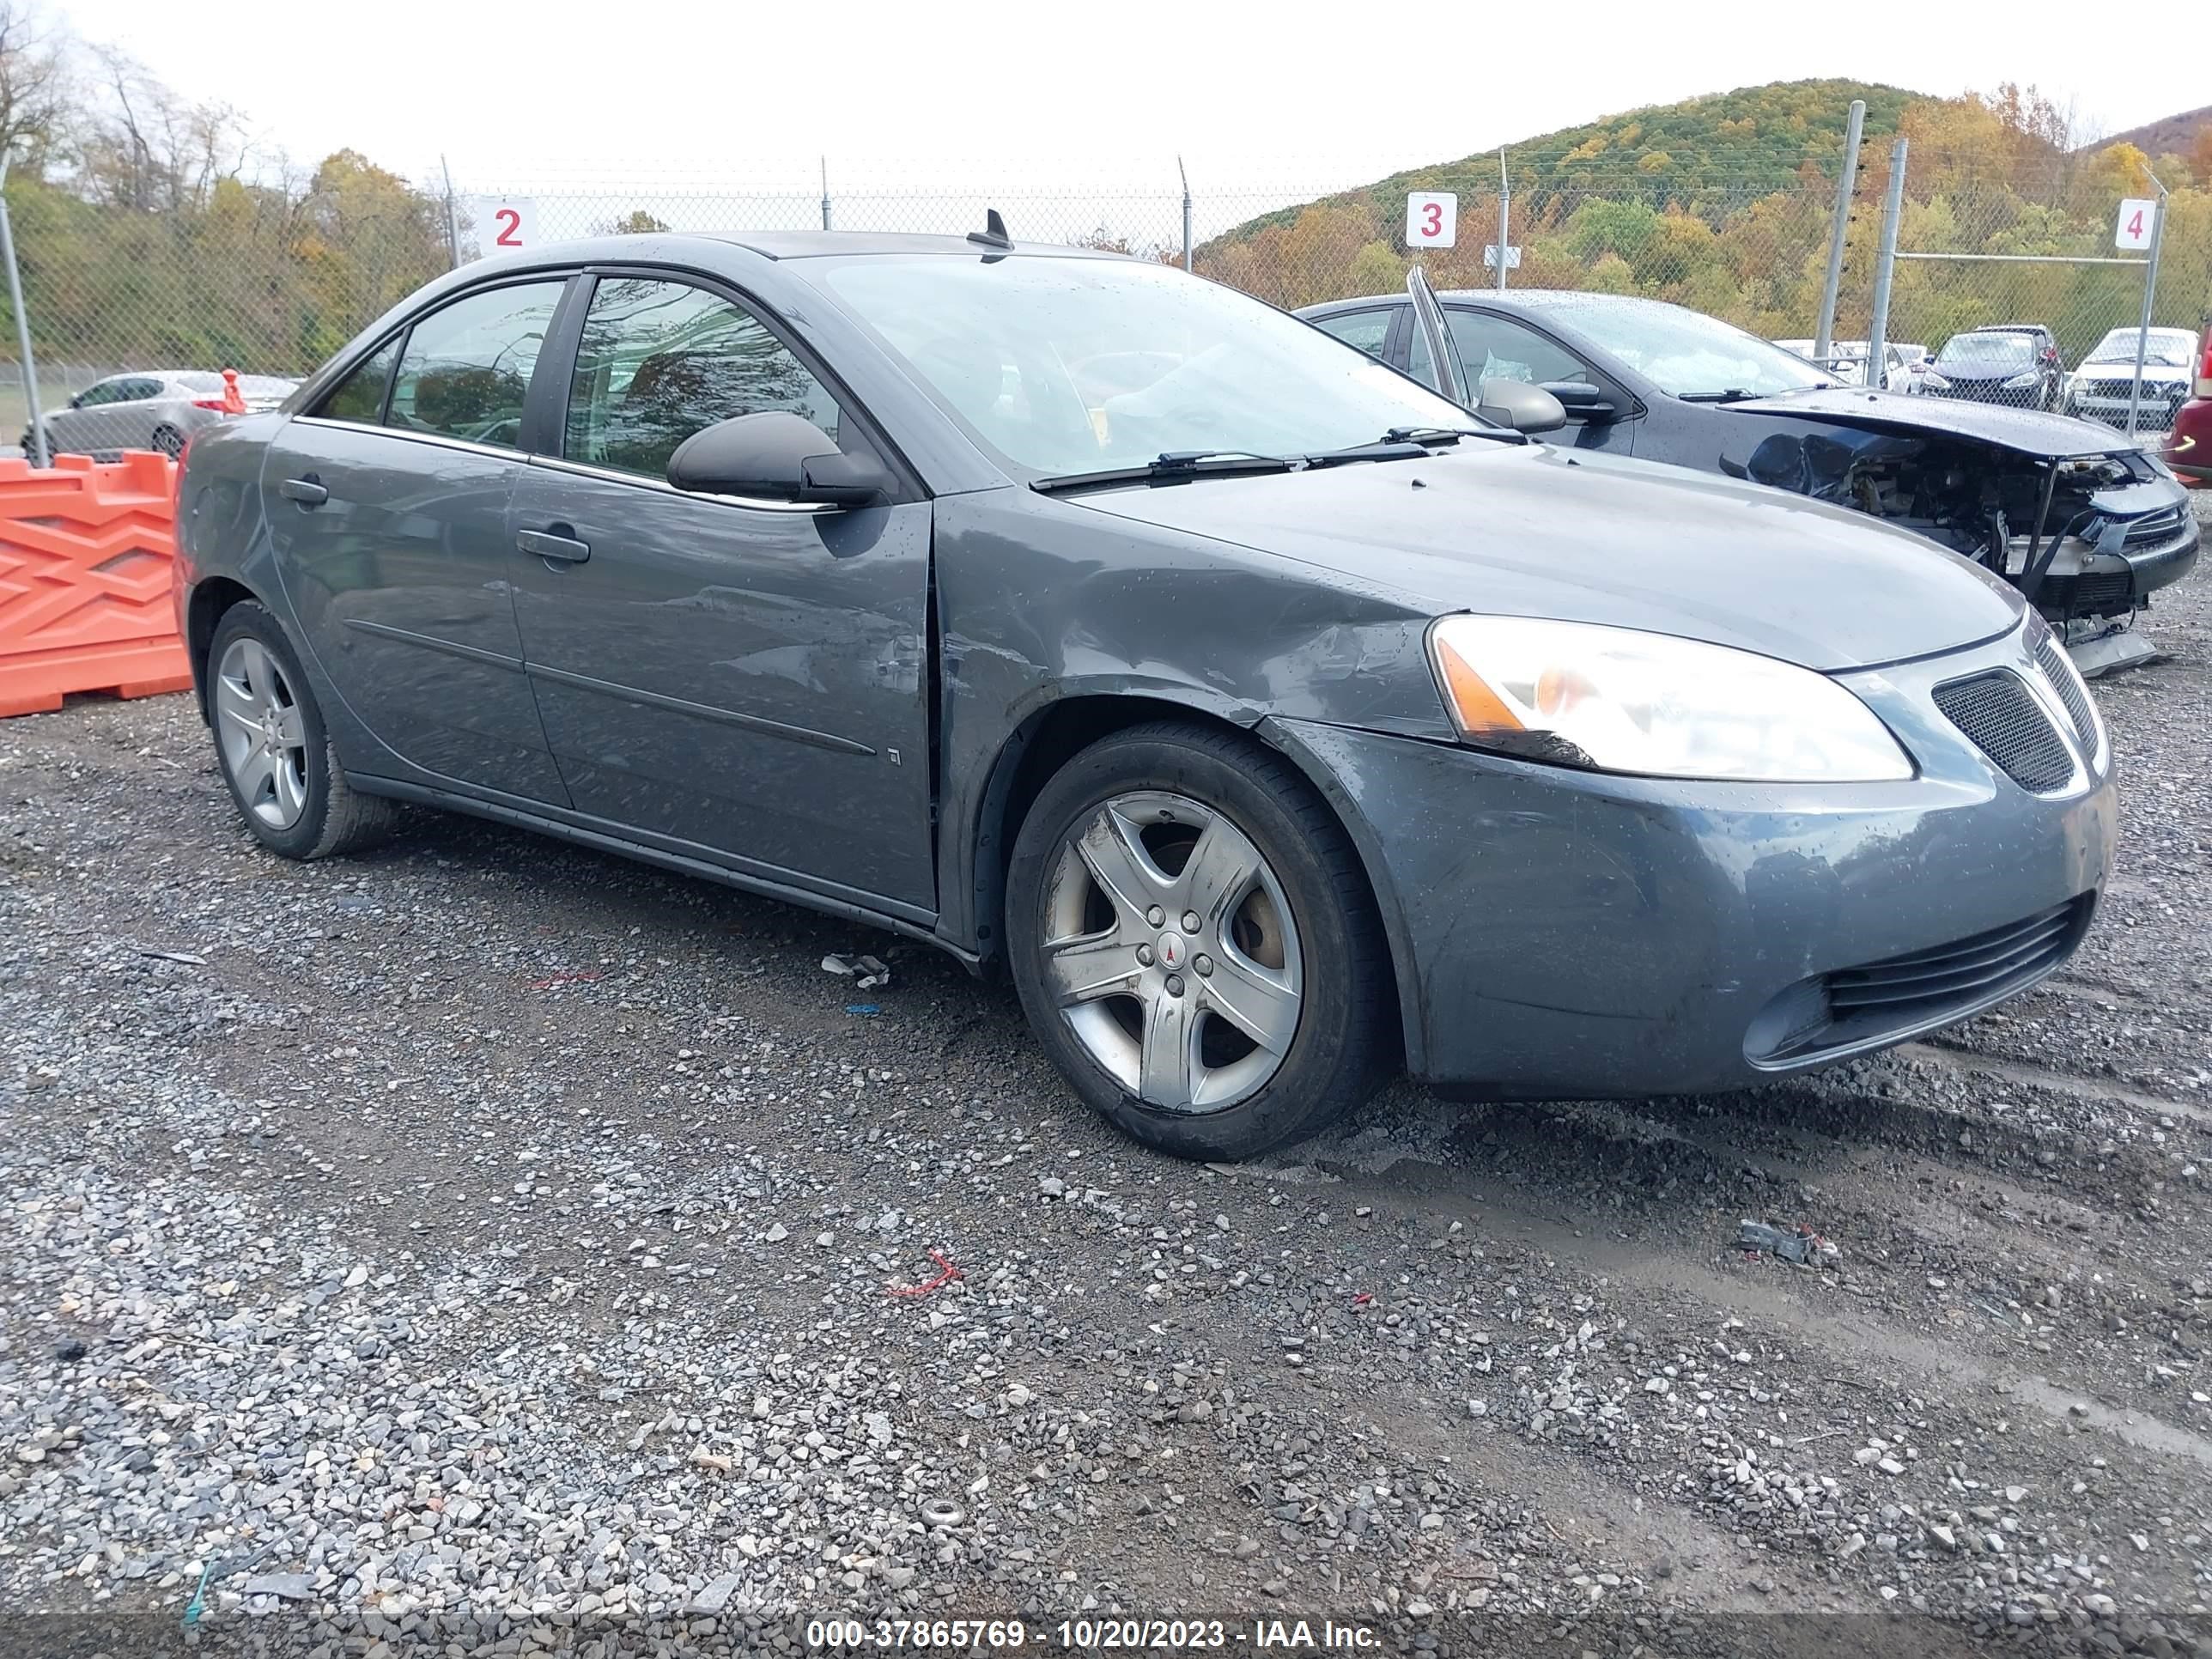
(272, 745)
(168, 440)
(1194, 944)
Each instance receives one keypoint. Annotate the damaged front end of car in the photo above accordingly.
(2086, 530)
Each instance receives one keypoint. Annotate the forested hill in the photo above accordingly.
(1746, 142)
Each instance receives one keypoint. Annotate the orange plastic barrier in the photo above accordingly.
(85, 550)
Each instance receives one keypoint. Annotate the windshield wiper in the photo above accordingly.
(1734, 394)
(1174, 466)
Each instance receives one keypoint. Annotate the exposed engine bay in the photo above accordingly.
(2059, 528)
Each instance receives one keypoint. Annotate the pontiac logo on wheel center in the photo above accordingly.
(1171, 950)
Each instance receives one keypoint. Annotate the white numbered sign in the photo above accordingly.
(505, 224)
(1431, 218)
(2138, 220)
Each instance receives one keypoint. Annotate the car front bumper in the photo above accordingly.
(1560, 934)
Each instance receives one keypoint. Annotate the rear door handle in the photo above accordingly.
(551, 544)
(307, 491)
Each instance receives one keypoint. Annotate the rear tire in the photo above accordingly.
(1270, 1018)
(273, 750)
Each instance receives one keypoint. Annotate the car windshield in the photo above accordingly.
(1689, 353)
(1987, 352)
(2168, 348)
(1074, 365)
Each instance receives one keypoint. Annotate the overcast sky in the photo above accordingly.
(1023, 95)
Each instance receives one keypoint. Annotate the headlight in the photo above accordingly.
(1621, 700)
(1935, 382)
(2020, 380)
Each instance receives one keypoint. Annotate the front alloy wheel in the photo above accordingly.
(1195, 943)
(1171, 949)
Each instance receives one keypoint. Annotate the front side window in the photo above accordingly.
(1368, 330)
(659, 360)
(1076, 365)
(1492, 347)
(359, 396)
(105, 392)
(465, 369)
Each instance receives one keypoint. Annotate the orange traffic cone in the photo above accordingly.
(233, 400)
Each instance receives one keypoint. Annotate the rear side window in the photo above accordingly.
(659, 360)
(359, 396)
(465, 369)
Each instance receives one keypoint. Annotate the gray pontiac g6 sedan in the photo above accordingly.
(1270, 720)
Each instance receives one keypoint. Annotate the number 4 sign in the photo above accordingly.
(2138, 219)
(1431, 218)
(504, 223)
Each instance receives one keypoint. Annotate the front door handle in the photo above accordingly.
(307, 491)
(551, 544)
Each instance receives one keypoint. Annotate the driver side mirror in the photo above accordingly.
(1525, 408)
(1583, 401)
(777, 456)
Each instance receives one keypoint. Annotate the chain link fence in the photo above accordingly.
(272, 279)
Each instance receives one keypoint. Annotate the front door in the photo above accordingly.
(749, 679)
(388, 510)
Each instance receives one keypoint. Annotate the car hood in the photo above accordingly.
(1539, 531)
(2025, 431)
(2125, 370)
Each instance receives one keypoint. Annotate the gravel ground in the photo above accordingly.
(489, 1243)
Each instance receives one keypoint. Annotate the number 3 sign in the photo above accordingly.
(1431, 218)
(504, 223)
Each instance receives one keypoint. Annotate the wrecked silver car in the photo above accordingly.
(2086, 524)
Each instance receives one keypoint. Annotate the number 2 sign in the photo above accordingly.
(2138, 219)
(1431, 218)
(504, 224)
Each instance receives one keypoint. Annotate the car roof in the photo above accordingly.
(2009, 328)
(819, 244)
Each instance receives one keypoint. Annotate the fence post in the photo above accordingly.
(825, 192)
(1185, 172)
(38, 425)
(1505, 216)
(1892, 209)
(452, 223)
(2150, 298)
(1824, 335)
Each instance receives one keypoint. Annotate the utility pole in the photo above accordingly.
(2150, 298)
(1824, 335)
(1893, 209)
(39, 455)
(825, 192)
(1505, 216)
(1187, 251)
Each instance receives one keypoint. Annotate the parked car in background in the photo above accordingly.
(2189, 445)
(156, 409)
(1645, 378)
(1263, 715)
(2014, 363)
(1847, 360)
(2102, 385)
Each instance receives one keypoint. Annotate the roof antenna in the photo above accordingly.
(994, 234)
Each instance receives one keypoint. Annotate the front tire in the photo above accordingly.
(273, 750)
(1194, 944)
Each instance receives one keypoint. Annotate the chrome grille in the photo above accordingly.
(2001, 717)
(2153, 528)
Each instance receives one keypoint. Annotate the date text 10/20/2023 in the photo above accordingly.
(1096, 1635)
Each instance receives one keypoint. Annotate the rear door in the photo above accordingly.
(387, 507)
(746, 678)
